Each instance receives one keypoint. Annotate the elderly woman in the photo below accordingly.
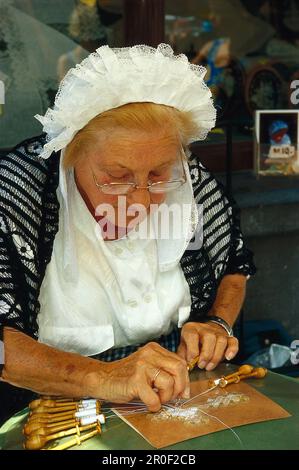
(94, 300)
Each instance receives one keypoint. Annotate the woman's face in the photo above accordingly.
(122, 157)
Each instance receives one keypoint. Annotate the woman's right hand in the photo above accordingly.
(137, 377)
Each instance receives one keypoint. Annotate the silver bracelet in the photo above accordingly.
(219, 321)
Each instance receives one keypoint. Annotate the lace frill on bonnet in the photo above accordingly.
(109, 78)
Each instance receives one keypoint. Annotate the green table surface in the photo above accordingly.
(276, 434)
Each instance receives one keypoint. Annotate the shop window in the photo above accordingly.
(39, 41)
(250, 49)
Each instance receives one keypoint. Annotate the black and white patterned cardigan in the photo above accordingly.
(29, 221)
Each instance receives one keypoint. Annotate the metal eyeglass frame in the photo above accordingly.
(135, 186)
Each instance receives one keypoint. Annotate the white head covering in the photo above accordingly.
(109, 78)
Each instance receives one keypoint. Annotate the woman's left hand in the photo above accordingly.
(209, 341)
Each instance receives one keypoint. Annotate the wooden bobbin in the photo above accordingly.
(77, 440)
(37, 441)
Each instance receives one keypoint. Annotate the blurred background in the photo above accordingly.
(250, 48)
(251, 51)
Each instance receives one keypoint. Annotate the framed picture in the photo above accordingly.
(277, 138)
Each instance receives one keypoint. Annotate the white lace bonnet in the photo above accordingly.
(111, 77)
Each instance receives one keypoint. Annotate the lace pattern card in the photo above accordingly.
(219, 409)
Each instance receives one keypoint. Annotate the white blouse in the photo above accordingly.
(100, 294)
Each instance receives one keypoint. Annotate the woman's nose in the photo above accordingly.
(140, 196)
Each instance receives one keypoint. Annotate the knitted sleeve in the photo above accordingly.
(12, 296)
(28, 222)
(223, 240)
(222, 249)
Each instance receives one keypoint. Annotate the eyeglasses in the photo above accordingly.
(158, 187)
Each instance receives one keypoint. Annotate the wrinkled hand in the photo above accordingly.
(209, 341)
(132, 377)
